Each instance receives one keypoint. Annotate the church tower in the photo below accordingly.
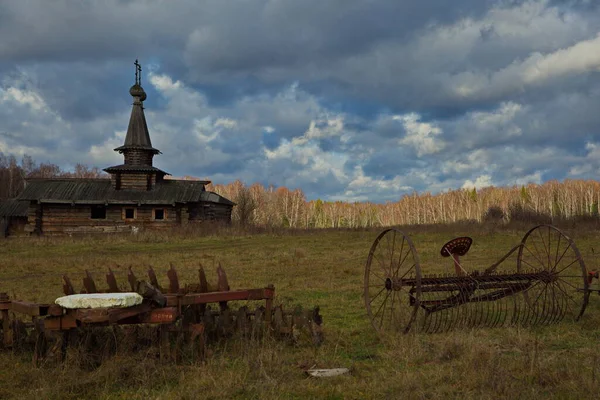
(137, 171)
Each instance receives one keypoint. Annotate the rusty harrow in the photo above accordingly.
(550, 284)
(182, 318)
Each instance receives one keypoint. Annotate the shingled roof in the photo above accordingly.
(134, 168)
(137, 136)
(100, 191)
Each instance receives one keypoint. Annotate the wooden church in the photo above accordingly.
(137, 195)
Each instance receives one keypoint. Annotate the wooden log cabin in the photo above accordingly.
(137, 195)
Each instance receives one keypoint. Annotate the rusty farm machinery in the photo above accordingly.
(549, 283)
(178, 319)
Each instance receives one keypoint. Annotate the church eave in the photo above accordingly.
(126, 147)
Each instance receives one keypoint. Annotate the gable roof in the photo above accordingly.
(100, 191)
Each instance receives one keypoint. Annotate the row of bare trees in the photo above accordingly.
(13, 173)
(281, 207)
(269, 206)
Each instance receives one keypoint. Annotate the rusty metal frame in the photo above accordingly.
(437, 303)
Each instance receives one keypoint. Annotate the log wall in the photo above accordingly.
(51, 219)
(137, 181)
(66, 219)
(206, 211)
(138, 157)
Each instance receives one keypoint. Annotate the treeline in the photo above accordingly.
(545, 203)
(13, 173)
(281, 207)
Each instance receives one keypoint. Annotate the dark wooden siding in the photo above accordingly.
(207, 211)
(134, 181)
(69, 219)
(12, 226)
(138, 157)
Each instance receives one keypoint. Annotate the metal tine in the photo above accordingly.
(429, 317)
(514, 308)
(89, 284)
(222, 279)
(543, 306)
(152, 278)
(554, 307)
(132, 280)
(67, 286)
(521, 317)
(535, 312)
(496, 310)
(564, 308)
(477, 321)
(112, 281)
(490, 312)
(558, 314)
(421, 318)
(558, 310)
(440, 318)
(436, 320)
(474, 314)
(530, 315)
(222, 284)
(504, 312)
(173, 279)
(490, 307)
(537, 306)
(562, 304)
(560, 307)
(449, 316)
(462, 311)
(203, 281)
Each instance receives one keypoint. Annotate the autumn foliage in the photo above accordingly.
(532, 203)
(281, 207)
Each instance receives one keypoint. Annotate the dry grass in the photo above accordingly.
(310, 268)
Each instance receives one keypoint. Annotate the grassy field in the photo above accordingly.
(322, 268)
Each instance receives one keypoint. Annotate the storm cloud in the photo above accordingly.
(345, 99)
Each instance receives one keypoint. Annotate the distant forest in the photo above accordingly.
(282, 207)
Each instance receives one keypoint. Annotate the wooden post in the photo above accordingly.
(7, 337)
(165, 345)
(269, 312)
(6, 331)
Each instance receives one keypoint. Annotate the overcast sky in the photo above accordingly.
(345, 99)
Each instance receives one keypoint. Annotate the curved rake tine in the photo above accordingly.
(173, 280)
(89, 284)
(152, 278)
(67, 286)
(203, 281)
(132, 280)
(223, 284)
(112, 281)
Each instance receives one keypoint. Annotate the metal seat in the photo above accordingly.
(458, 246)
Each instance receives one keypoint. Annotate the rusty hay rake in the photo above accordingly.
(549, 284)
(182, 318)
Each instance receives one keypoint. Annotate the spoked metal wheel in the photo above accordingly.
(562, 292)
(392, 286)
